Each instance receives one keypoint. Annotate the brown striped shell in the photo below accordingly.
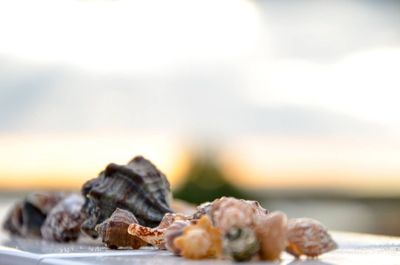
(138, 187)
(114, 231)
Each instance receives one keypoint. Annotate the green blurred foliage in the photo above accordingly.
(206, 181)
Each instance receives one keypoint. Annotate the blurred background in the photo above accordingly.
(292, 103)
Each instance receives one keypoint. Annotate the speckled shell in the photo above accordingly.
(240, 244)
(152, 236)
(155, 236)
(308, 237)
(272, 235)
(228, 212)
(26, 217)
(173, 231)
(200, 240)
(138, 187)
(114, 231)
(63, 222)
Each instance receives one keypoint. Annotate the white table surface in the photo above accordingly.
(353, 249)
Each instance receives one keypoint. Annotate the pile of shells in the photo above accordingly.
(129, 206)
(240, 230)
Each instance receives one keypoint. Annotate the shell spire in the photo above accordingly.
(114, 231)
(138, 187)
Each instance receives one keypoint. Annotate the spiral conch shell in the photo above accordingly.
(272, 234)
(138, 187)
(114, 231)
(155, 236)
(228, 212)
(200, 241)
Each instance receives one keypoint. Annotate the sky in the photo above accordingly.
(283, 90)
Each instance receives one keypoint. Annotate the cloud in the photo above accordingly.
(364, 85)
(326, 31)
(306, 69)
(197, 103)
(128, 36)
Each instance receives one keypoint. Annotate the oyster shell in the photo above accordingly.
(138, 187)
(26, 217)
(114, 231)
(240, 244)
(272, 234)
(173, 231)
(155, 236)
(63, 222)
(200, 240)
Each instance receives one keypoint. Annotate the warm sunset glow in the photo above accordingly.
(369, 166)
(67, 161)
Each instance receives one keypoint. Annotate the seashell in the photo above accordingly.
(114, 231)
(26, 217)
(138, 187)
(152, 236)
(203, 209)
(272, 233)
(155, 236)
(200, 240)
(173, 231)
(240, 244)
(63, 222)
(228, 212)
(170, 218)
(308, 237)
